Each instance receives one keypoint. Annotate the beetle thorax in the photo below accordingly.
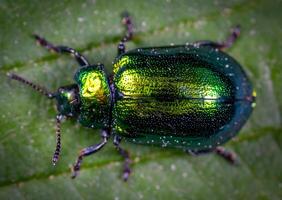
(95, 97)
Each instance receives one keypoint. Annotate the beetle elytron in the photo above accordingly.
(193, 97)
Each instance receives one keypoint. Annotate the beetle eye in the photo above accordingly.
(74, 101)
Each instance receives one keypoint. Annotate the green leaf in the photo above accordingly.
(27, 134)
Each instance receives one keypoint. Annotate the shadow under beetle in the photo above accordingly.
(193, 97)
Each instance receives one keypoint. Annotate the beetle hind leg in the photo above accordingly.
(125, 155)
(229, 156)
(235, 32)
(127, 21)
(61, 49)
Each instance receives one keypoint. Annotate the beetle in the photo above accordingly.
(194, 97)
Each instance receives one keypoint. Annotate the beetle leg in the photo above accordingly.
(88, 151)
(125, 155)
(235, 32)
(221, 151)
(127, 21)
(227, 155)
(61, 49)
(197, 153)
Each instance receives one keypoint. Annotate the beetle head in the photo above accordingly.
(68, 103)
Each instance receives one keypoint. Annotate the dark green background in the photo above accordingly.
(27, 135)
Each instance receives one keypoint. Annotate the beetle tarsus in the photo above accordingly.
(76, 167)
(127, 21)
(125, 155)
(232, 37)
(229, 156)
(235, 32)
(126, 174)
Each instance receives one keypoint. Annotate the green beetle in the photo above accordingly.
(193, 97)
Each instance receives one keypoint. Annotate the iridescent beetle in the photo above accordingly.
(193, 97)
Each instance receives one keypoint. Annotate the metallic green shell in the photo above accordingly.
(95, 97)
(183, 96)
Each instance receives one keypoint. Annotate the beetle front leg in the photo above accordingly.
(127, 21)
(88, 151)
(125, 155)
(61, 49)
(235, 32)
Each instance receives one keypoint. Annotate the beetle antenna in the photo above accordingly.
(36, 87)
(57, 152)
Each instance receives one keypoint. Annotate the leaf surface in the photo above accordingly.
(27, 134)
